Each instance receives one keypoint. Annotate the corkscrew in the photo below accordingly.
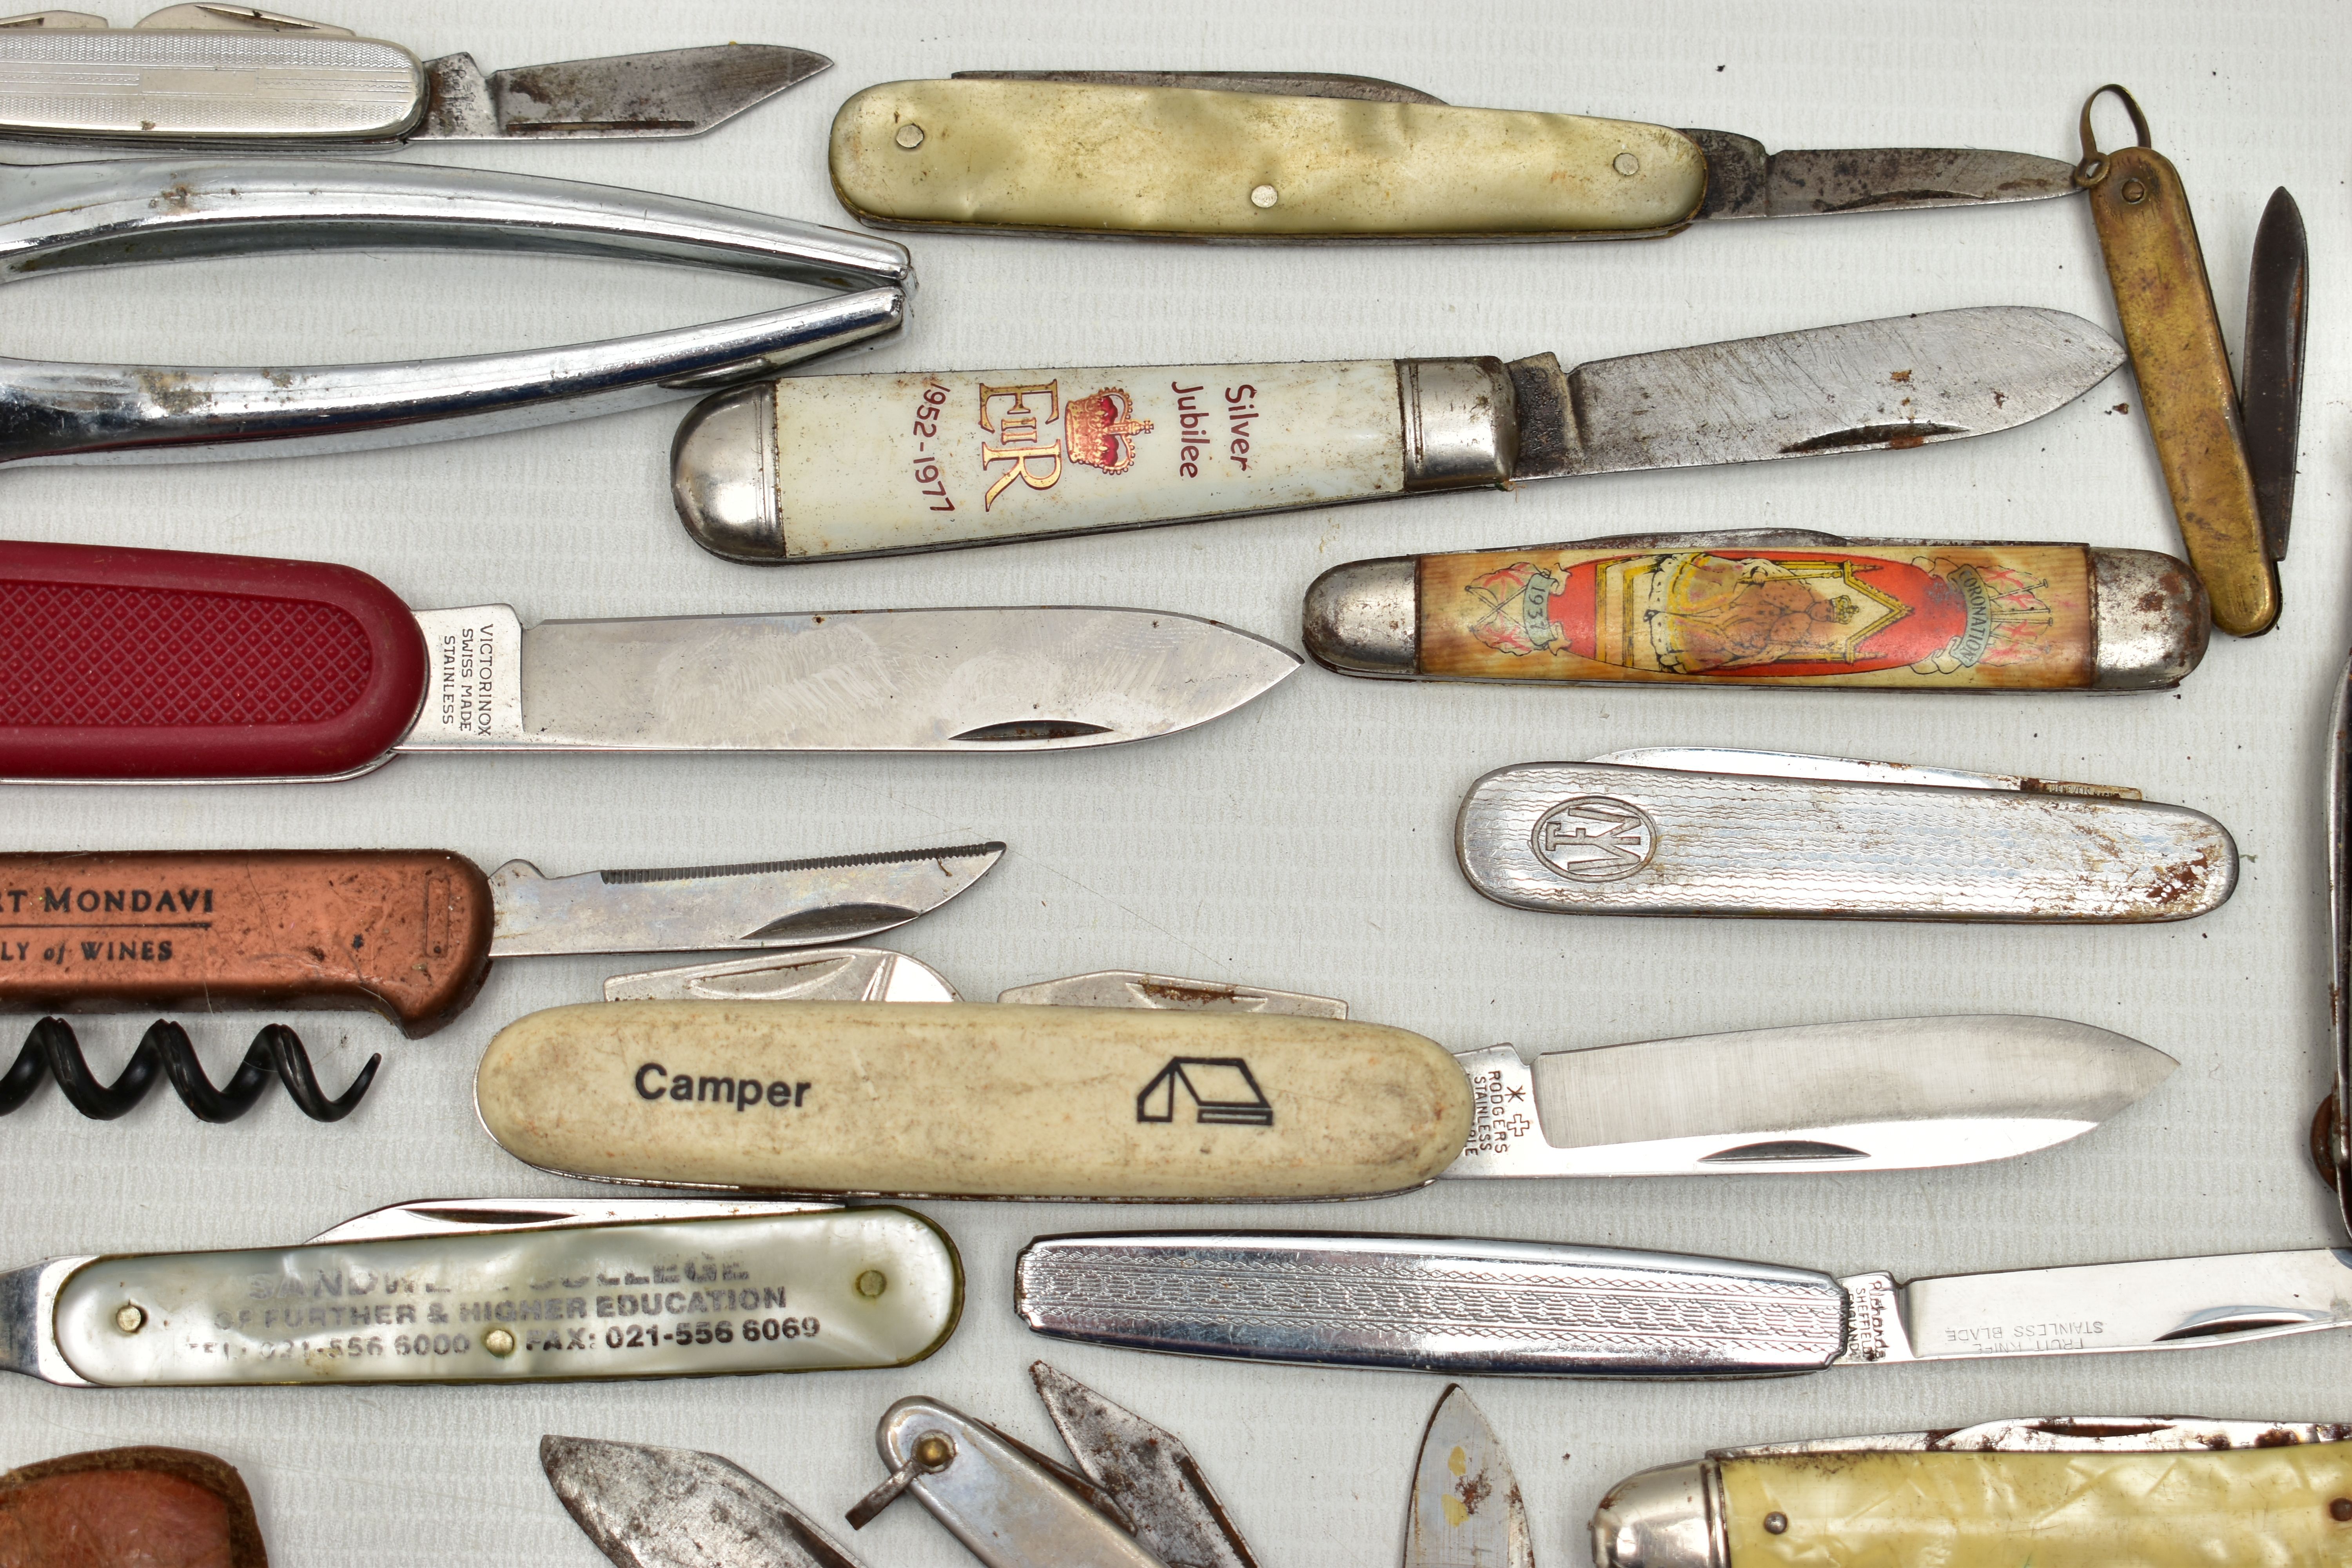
(52, 1050)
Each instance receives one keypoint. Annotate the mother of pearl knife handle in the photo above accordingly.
(791, 1290)
(873, 465)
(973, 1100)
(1221, 166)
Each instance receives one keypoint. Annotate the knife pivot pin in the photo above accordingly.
(52, 1050)
(933, 1452)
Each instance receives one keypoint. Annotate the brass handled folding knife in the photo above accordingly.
(1272, 157)
(786, 1073)
(214, 75)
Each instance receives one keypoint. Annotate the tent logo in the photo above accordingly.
(1220, 1087)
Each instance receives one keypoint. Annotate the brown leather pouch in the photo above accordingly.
(129, 1507)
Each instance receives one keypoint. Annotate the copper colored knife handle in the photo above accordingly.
(2165, 303)
(405, 933)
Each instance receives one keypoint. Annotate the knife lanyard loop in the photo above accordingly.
(2092, 169)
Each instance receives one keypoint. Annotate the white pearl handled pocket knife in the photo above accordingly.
(212, 75)
(1693, 830)
(500, 1290)
(791, 1073)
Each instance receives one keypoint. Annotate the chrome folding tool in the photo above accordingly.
(1149, 1087)
(205, 75)
(59, 216)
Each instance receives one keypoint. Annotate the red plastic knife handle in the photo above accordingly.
(165, 664)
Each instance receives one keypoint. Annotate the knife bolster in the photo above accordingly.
(1461, 423)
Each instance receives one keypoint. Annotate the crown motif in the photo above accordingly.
(1100, 429)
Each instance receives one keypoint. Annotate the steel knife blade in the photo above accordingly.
(1147, 1471)
(1538, 1309)
(2270, 384)
(649, 1507)
(1464, 1510)
(753, 483)
(672, 93)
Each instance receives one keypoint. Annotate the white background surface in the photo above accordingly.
(1303, 843)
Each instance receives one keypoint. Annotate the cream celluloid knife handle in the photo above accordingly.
(1080, 158)
(2072, 1509)
(973, 1100)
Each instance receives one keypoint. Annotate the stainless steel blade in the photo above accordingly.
(675, 93)
(2165, 1303)
(646, 1507)
(827, 974)
(1880, 1095)
(1907, 381)
(1807, 181)
(1464, 1511)
(1147, 1471)
(1047, 678)
(775, 903)
(1133, 988)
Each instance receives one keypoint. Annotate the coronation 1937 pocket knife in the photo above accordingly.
(2056, 1492)
(500, 1290)
(1274, 157)
(812, 468)
(788, 1074)
(409, 934)
(1782, 607)
(207, 75)
(1693, 830)
(154, 665)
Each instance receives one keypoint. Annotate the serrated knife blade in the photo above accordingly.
(1466, 1509)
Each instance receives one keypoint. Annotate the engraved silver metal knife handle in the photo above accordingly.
(1460, 1306)
(63, 215)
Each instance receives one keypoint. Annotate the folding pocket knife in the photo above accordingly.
(801, 469)
(1273, 157)
(1768, 607)
(500, 1290)
(1693, 830)
(2057, 1492)
(785, 1073)
(212, 75)
(1137, 1499)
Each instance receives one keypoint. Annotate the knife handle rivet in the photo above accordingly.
(500, 1341)
(1775, 1524)
(131, 1318)
(2340, 1510)
(2134, 192)
(1627, 164)
(1264, 195)
(872, 1283)
(933, 1452)
(909, 137)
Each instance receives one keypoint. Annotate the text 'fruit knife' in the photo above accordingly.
(204, 74)
(281, 670)
(811, 468)
(1149, 1086)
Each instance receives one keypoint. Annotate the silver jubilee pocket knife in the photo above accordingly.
(1709, 831)
(2056, 1492)
(1137, 1498)
(500, 1290)
(218, 75)
(800, 469)
(1278, 157)
(789, 1073)
(1784, 608)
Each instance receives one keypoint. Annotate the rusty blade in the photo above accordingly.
(2270, 388)
(1147, 1471)
(1465, 1510)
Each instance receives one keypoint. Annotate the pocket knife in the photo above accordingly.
(281, 670)
(209, 75)
(815, 468)
(1137, 1499)
(409, 934)
(1693, 830)
(2064, 1492)
(500, 1290)
(1525, 1308)
(1272, 157)
(1778, 608)
(786, 1073)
